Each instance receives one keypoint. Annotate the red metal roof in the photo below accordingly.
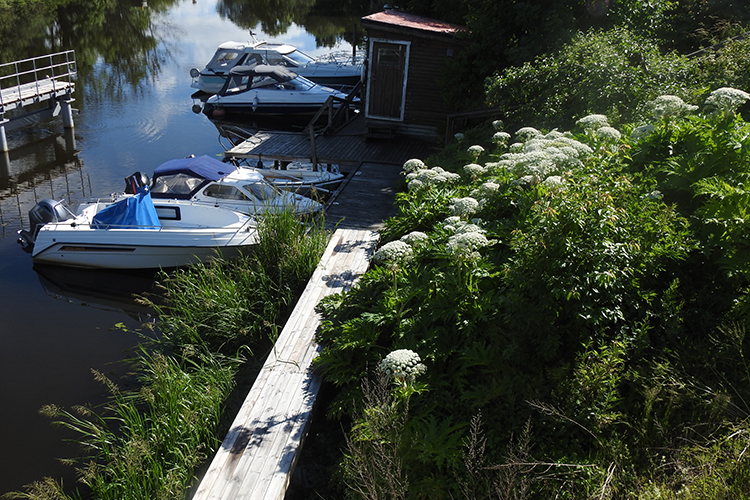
(398, 18)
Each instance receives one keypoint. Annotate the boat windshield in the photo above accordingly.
(176, 184)
(224, 60)
(224, 192)
(263, 190)
(299, 58)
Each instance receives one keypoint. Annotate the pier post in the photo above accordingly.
(3, 139)
(67, 112)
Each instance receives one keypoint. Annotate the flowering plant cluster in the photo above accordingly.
(666, 106)
(464, 207)
(430, 177)
(413, 165)
(725, 100)
(415, 238)
(593, 122)
(403, 365)
(394, 253)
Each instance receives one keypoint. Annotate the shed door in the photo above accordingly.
(386, 82)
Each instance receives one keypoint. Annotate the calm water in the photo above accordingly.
(58, 326)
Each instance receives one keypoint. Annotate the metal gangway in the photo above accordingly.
(27, 82)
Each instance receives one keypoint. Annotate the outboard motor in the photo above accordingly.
(135, 181)
(43, 212)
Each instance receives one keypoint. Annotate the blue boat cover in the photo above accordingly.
(137, 210)
(200, 166)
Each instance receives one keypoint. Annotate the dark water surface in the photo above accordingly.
(56, 326)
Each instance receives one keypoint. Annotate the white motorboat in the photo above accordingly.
(206, 180)
(135, 233)
(302, 180)
(269, 91)
(333, 71)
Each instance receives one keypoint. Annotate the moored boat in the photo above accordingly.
(269, 91)
(333, 71)
(135, 233)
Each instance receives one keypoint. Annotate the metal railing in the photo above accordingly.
(29, 73)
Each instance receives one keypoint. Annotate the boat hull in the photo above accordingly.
(119, 252)
(217, 110)
(86, 247)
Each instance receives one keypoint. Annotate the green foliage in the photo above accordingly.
(602, 318)
(603, 72)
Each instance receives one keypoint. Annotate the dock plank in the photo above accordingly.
(257, 456)
(340, 148)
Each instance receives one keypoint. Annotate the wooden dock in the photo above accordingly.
(350, 146)
(366, 198)
(258, 455)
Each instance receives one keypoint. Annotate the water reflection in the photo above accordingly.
(105, 290)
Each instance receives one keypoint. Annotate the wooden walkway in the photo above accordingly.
(257, 457)
(350, 146)
(366, 198)
(30, 93)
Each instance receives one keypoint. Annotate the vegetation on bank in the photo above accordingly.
(577, 304)
(216, 322)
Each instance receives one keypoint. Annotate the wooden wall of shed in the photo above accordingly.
(428, 55)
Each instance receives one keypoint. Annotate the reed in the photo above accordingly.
(146, 443)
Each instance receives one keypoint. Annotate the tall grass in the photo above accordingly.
(145, 443)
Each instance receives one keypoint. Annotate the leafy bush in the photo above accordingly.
(597, 72)
(585, 291)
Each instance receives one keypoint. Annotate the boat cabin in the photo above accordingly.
(407, 56)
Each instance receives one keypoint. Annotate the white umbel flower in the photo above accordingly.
(403, 365)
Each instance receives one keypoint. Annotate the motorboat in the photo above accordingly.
(135, 232)
(208, 181)
(299, 180)
(269, 91)
(333, 71)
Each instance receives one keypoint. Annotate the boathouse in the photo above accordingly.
(407, 56)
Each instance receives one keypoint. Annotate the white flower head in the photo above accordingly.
(526, 133)
(669, 105)
(500, 137)
(489, 188)
(498, 124)
(458, 136)
(591, 123)
(464, 245)
(642, 132)
(474, 170)
(608, 134)
(413, 165)
(553, 181)
(402, 365)
(415, 238)
(464, 207)
(394, 253)
(725, 100)
(475, 150)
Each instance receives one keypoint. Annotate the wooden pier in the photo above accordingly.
(28, 82)
(257, 457)
(350, 146)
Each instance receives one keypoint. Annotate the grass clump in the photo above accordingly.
(146, 442)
